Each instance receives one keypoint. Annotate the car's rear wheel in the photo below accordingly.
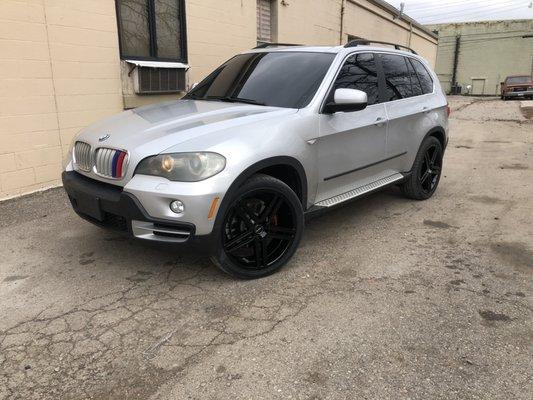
(261, 229)
(427, 168)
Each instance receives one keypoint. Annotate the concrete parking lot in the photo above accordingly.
(387, 298)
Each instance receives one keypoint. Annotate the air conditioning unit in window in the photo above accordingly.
(159, 80)
(150, 77)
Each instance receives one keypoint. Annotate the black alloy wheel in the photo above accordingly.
(425, 174)
(261, 228)
(429, 174)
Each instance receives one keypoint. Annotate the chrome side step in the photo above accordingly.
(359, 191)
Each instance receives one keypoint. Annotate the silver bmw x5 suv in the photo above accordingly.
(272, 135)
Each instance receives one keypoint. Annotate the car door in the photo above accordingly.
(407, 109)
(351, 143)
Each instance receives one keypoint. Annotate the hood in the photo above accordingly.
(173, 122)
(152, 129)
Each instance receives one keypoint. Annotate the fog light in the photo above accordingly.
(177, 206)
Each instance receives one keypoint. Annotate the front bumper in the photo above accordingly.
(111, 207)
(525, 93)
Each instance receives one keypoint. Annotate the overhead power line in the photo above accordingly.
(468, 9)
(447, 4)
(466, 16)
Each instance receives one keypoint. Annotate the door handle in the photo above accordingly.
(425, 109)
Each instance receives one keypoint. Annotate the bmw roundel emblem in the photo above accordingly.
(104, 137)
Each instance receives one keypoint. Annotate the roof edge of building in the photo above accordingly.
(484, 21)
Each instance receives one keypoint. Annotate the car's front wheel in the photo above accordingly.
(261, 228)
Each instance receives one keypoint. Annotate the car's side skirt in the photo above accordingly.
(360, 191)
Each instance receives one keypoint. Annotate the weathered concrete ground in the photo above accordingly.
(386, 299)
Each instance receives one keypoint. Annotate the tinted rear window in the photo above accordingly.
(415, 82)
(423, 76)
(397, 79)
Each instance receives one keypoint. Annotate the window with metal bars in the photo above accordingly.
(152, 30)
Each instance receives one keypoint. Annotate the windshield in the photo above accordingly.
(280, 79)
(518, 79)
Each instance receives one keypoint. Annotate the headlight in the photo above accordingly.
(182, 167)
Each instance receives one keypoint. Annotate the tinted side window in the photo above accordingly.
(398, 83)
(359, 72)
(415, 82)
(424, 76)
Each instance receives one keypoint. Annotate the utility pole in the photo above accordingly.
(455, 63)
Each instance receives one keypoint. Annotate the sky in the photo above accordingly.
(440, 11)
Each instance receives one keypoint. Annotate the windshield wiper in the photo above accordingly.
(235, 100)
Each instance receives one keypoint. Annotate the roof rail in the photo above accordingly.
(365, 42)
(265, 45)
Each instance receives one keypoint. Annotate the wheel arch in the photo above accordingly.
(285, 168)
(439, 133)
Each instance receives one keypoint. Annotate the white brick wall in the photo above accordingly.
(59, 64)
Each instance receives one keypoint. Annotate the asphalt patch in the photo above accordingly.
(516, 166)
(13, 278)
(489, 315)
(486, 199)
(515, 253)
(437, 224)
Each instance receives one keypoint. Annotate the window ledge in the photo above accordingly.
(158, 64)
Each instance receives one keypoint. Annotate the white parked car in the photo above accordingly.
(272, 134)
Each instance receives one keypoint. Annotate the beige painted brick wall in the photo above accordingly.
(319, 24)
(368, 20)
(60, 68)
(219, 29)
(59, 64)
(216, 31)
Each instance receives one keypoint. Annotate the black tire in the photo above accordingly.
(426, 171)
(260, 230)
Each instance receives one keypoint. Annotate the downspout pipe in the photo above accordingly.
(341, 33)
(455, 62)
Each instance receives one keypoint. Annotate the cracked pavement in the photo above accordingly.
(387, 298)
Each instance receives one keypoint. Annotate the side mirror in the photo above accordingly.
(347, 100)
